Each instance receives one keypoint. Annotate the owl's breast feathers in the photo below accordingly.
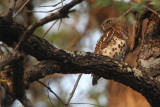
(113, 42)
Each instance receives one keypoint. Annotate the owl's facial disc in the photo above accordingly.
(108, 23)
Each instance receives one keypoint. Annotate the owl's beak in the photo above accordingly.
(103, 28)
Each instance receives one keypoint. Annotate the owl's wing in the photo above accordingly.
(104, 41)
(101, 44)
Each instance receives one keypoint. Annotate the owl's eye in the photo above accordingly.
(108, 22)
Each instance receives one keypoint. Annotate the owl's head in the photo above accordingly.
(108, 23)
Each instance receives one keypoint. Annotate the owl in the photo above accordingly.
(113, 42)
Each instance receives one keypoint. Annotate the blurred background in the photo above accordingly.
(78, 32)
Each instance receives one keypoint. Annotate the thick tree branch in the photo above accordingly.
(80, 62)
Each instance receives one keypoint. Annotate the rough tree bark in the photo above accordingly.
(144, 79)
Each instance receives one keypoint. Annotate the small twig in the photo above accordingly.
(51, 91)
(60, 24)
(62, 2)
(52, 5)
(3, 12)
(153, 11)
(49, 29)
(10, 11)
(44, 11)
(48, 92)
(1, 55)
(21, 8)
(74, 89)
(6, 47)
(61, 18)
(31, 11)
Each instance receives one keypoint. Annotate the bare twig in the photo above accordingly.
(62, 2)
(52, 5)
(61, 18)
(48, 92)
(44, 11)
(49, 28)
(60, 24)
(1, 56)
(6, 47)
(153, 11)
(10, 11)
(74, 89)
(51, 91)
(21, 8)
(1, 13)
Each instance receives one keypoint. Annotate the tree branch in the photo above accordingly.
(62, 13)
(80, 62)
(9, 13)
(12, 70)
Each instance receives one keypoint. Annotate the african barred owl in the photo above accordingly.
(113, 42)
